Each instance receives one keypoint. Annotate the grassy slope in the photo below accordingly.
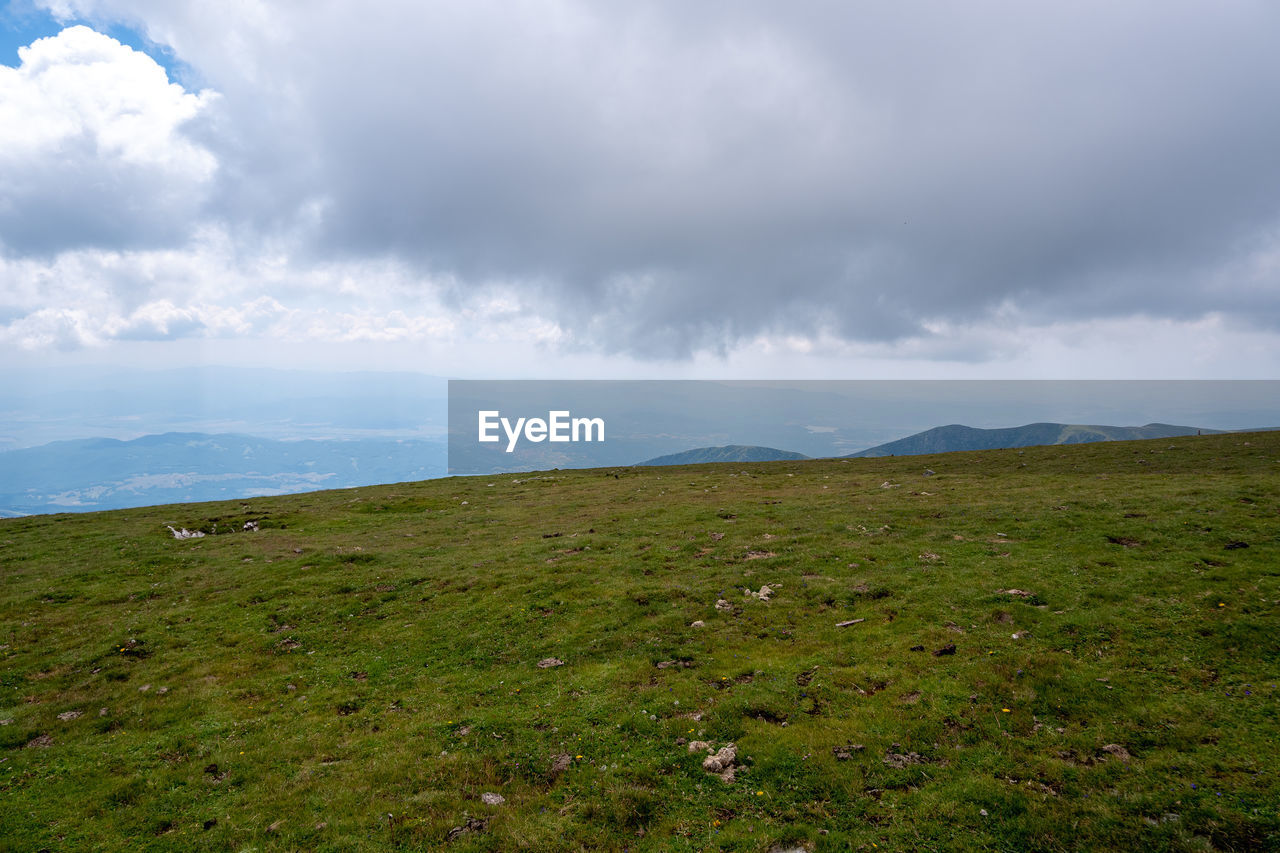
(354, 675)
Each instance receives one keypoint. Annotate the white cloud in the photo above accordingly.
(94, 148)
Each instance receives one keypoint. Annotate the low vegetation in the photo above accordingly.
(1057, 648)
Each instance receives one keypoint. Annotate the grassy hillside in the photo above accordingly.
(1058, 648)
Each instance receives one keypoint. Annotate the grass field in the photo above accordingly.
(360, 670)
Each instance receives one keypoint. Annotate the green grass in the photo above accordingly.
(357, 673)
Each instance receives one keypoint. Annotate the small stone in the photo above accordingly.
(722, 762)
(699, 746)
(489, 798)
(948, 649)
(547, 663)
(982, 812)
(697, 624)
(68, 715)
(722, 604)
(1118, 751)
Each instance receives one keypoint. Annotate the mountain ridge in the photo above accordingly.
(725, 453)
(958, 437)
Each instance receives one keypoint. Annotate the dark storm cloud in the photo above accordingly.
(668, 176)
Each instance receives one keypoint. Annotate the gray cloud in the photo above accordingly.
(665, 176)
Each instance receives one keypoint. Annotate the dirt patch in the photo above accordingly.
(471, 825)
(1126, 541)
(560, 763)
(899, 760)
(760, 555)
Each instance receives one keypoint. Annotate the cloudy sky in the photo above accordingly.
(552, 188)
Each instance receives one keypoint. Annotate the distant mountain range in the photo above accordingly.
(728, 453)
(184, 467)
(104, 473)
(946, 439)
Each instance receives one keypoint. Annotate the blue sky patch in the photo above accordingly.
(21, 23)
